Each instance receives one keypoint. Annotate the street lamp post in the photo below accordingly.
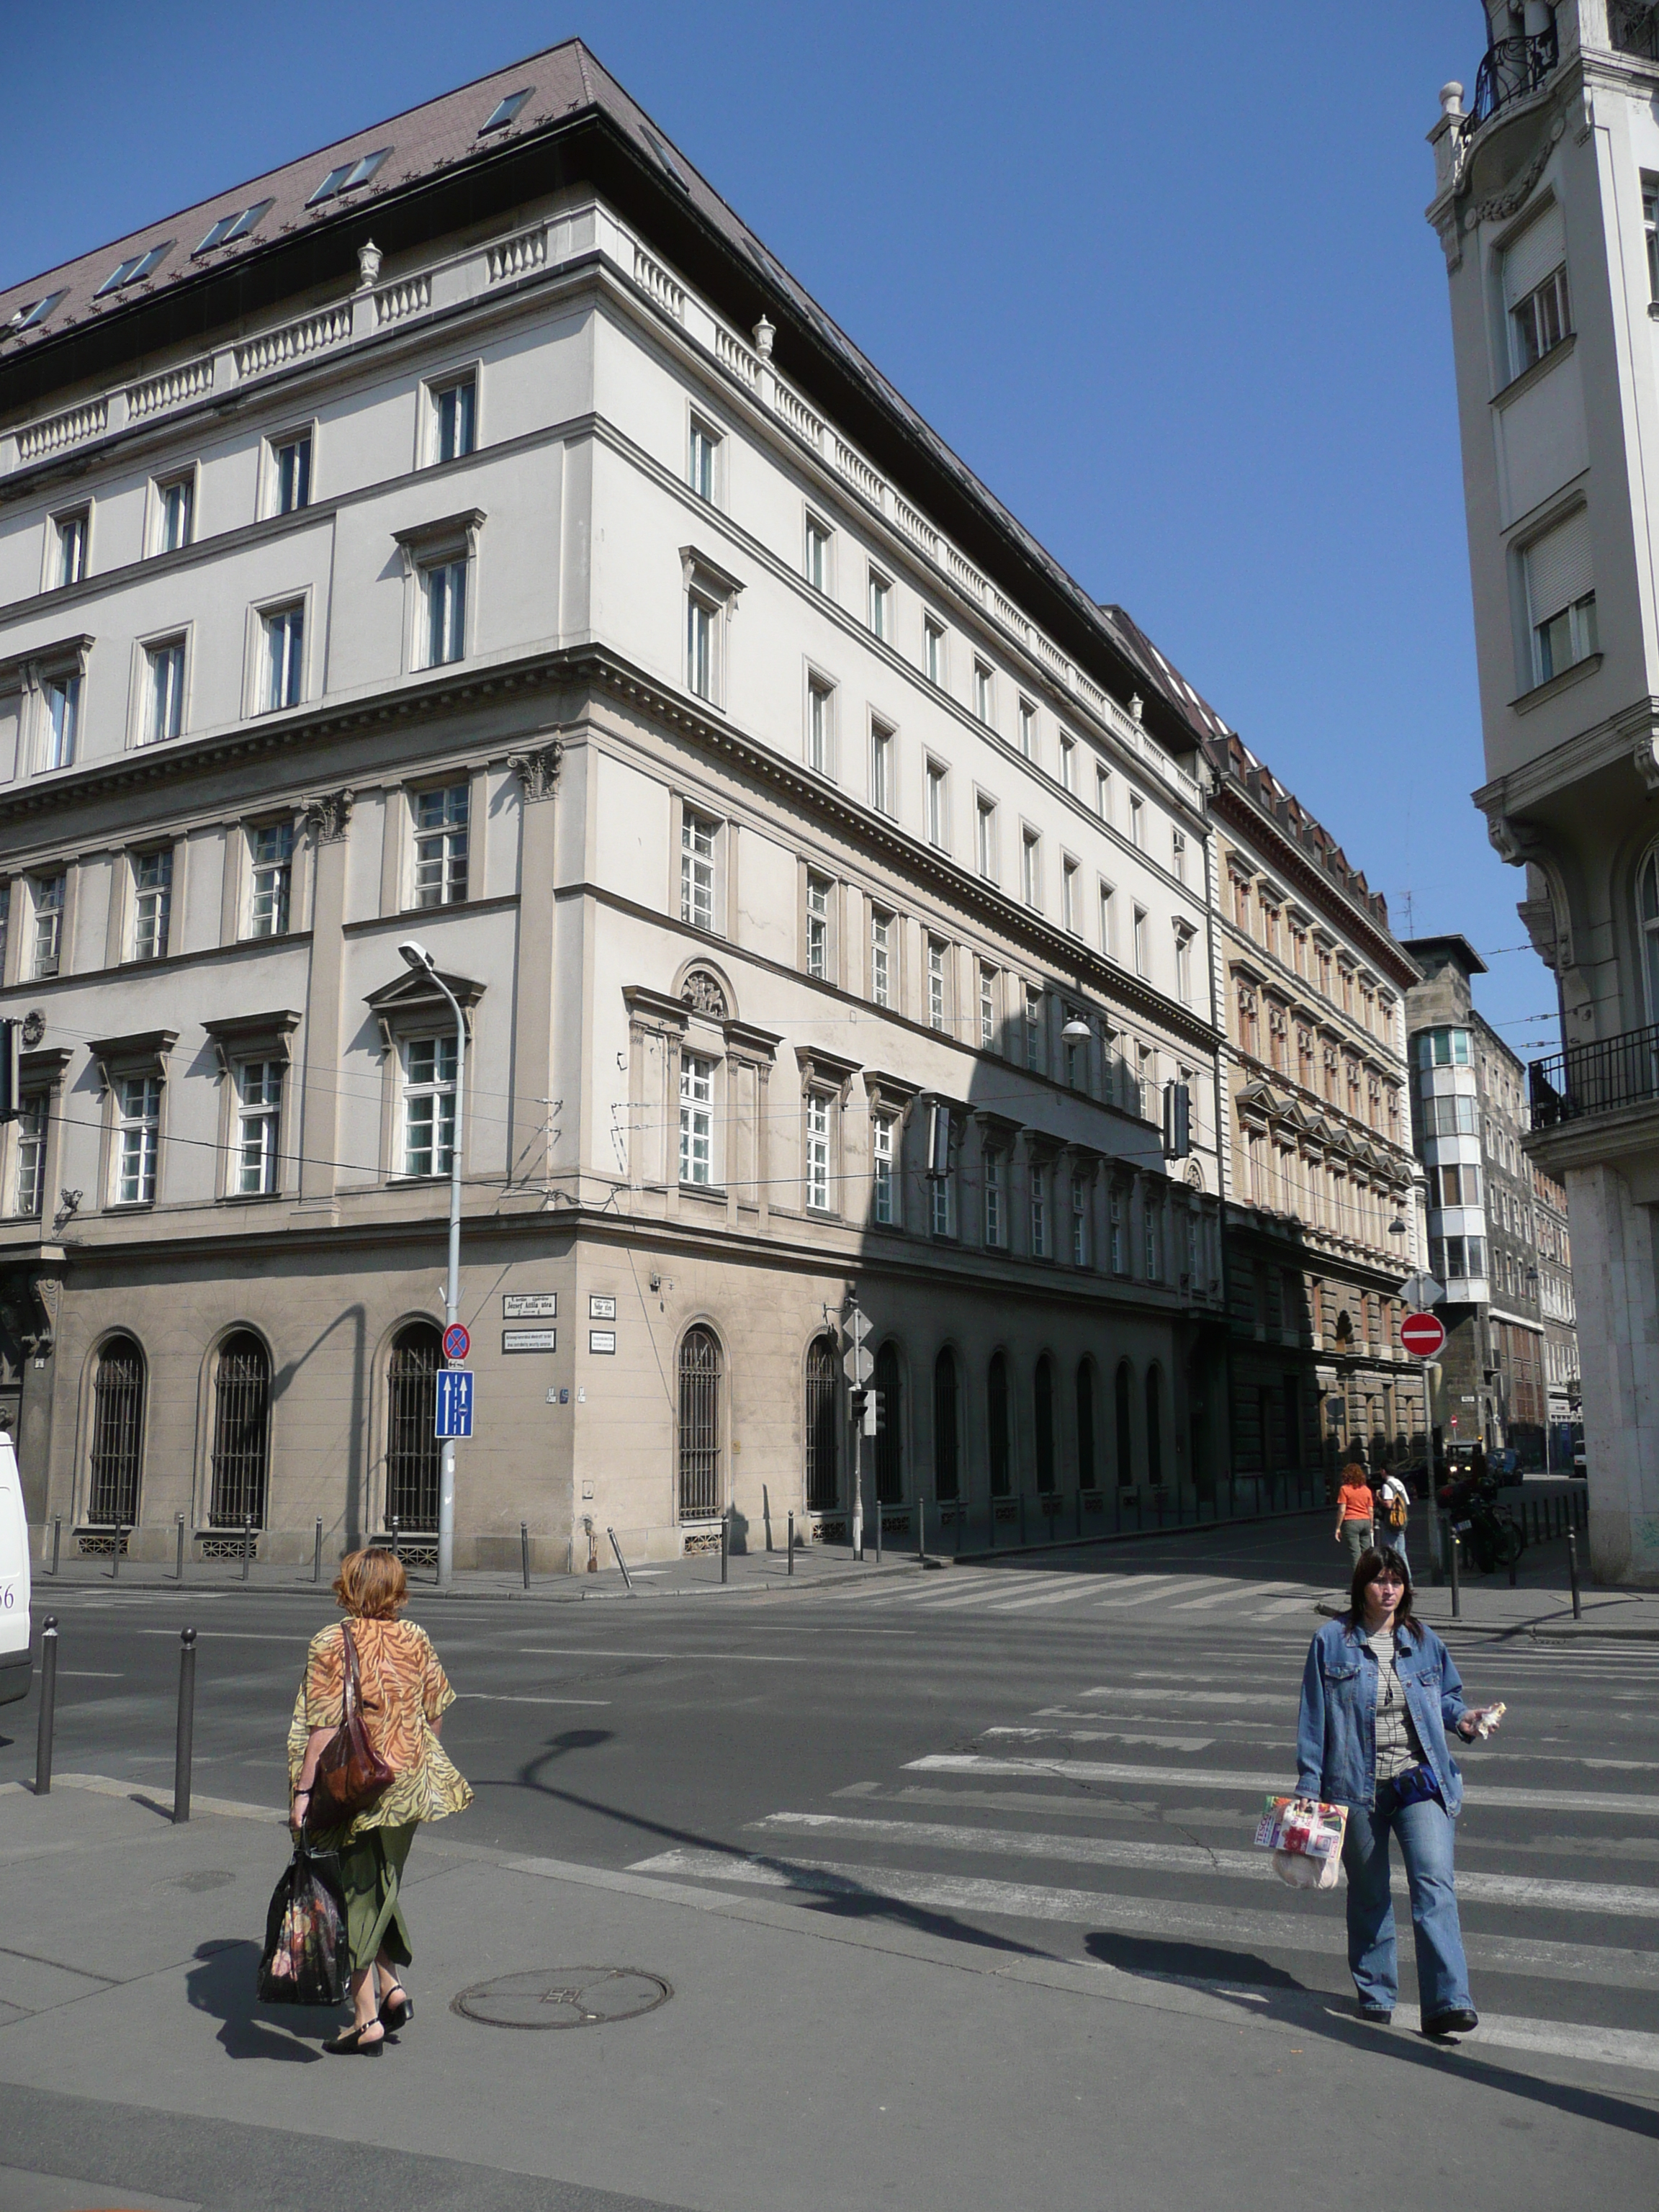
(423, 964)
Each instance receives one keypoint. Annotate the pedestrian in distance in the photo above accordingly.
(1355, 1510)
(1393, 1511)
(404, 1694)
(1378, 1693)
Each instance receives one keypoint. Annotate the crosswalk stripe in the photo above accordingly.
(1316, 1929)
(1230, 1596)
(995, 1587)
(1085, 1586)
(1099, 1736)
(1184, 1696)
(1089, 1770)
(1138, 1595)
(1625, 1900)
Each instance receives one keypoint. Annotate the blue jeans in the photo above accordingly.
(1425, 1832)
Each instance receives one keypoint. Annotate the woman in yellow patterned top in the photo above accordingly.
(405, 1694)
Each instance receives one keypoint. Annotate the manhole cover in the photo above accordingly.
(563, 1997)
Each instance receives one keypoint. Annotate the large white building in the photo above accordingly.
(1546, 202)
(471, 532)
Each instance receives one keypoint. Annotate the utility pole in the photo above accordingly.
(857, 1366)
(423, 964)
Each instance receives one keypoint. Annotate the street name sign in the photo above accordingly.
(1423, 1335)
(457, 1342)
(530, 1305)
(530, 1339)
(454, 1402)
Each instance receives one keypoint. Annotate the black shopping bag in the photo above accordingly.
(306, 1958)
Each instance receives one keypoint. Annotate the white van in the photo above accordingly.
(15, 1665)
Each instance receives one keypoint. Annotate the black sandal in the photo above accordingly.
(397, 2010)
(349, 2042)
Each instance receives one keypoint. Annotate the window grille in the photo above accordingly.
(889, 1446)
(1044, 1411)
(412, 1451)
(1126, 1448)
(700, 1488)
(947, 1452)
(996, 1409)
(1085, 1425)
(823, 1424)
(241, 1433)
(1154, 1426)
(117, 1432)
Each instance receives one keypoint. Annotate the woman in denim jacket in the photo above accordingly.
(1378, 1693)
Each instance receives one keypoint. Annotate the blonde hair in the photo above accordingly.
(371, 1584)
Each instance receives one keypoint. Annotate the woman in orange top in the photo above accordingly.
(405, 1695)
(1355, 1510)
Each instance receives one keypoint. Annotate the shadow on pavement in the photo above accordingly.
(224, 1984)
(1202, 1963)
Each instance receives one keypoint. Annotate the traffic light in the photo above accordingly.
(938, 1142)
(1177, 1120)
(875, 1412)
(11, 1071)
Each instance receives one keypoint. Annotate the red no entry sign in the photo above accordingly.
(1423, 1335)
(457, 1342)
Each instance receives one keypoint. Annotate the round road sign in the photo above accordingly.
(457, 1342)
(1423, 1335)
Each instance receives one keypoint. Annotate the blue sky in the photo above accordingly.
(1158, 273)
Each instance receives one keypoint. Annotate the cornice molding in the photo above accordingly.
(1229, 800)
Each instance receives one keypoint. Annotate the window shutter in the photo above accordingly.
(1541, 246)
(1558, 567)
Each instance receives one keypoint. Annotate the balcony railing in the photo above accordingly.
(1508, 70)
(1595, 1079)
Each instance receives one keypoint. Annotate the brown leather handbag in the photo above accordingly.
(351, 1776)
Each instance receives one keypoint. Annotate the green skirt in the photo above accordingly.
(371, 1871)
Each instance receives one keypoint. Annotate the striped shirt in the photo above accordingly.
(1396, 1739)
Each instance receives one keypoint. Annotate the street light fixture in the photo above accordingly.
(1077, 1030)
(423, 964)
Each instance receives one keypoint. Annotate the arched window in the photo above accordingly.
(1154, 1425)
(412, 1451)
(1126, 1444)
(1085, 1425)
(890, 1441)
(823, 1424)
(946, 1457)
(1043, 1406)
(118, 1432)
(701, 1491)
(1648, 912)
(241, 1432)
(996, 1410)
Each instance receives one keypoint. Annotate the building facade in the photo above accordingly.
(1498, 1234)
(1547, 203)
(472, 535)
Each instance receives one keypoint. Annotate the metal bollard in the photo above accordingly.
(183, 1741)
(317, 1552)
(725, 1532)
(1077, 1511)
(48, 1707)
(524, 1550)
(922, 1532)
(57, 1539)
(247, 1546)
(1456, 1586)
(1512, 1572)
(1572, 1574)
(621, 1562)
(766, 1514)
(115, 1556)
(1022, 1520)
(878, 1520)
(179, 1571)
(792, 1543)
(397, 1537)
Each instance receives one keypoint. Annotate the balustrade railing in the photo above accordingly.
(1595, 1079)
(1508, 70)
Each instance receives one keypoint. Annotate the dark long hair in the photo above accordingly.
(1367, 1568)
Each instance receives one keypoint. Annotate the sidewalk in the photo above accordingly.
(808, 2059)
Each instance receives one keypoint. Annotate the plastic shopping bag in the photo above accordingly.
(1305, 1841)
(307, 1959)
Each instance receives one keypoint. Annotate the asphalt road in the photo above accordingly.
(1025, 1756)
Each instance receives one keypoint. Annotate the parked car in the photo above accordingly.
(16, 1665)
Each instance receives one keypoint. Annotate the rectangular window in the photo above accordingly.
(881, 608)
(938, 953)
(983, 692)
(1068, 764)
(1137, 824)
(1154, 1253)
(1561, 597)
(1033, 1028)
(138, 1133)
(1650, 230)
(285, 658)
(1104, 794)
(1027, 730)
(62, 702)
(988, 1009)
(882, 1160)
(697, 870)
(1140, 941)
(985, 834)
(1079, 1223)
(46, 897)
(1030, 868)
(258, 1125)
(441, 824)
(1443, 1049)
(70, 565)
(429, 1105)
(175, 509)
(996, 1231)
(1115, 1232)
(696, 1118)
(1109, 921)
(817, 1151)
(818, 926)
(270, 858)
(454, 413)
(700, 618)
(1178, 856)
(939, 825)
(152, 903)
(446, 611)
(1540, 321)
(29, 1183)
(290, 471)
(704, 448)
(933, 651)
(1183, 964)
(881, 768)
(881, 973)
(164, 691)
(817, 553)
(1076, 1050)
(820, 726)
(1068, 895)
(1039, 1214)
(941, 1210)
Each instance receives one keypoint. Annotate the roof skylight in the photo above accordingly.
(666, 158)
(231, 227)
(349, 176)
(135, 266)
(34, 312)
(504, 111)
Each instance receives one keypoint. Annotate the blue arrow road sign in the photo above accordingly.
(454, 1402)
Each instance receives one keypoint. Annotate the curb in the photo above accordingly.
(1544, 1630)
(936, 1557)
(44, 1587)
